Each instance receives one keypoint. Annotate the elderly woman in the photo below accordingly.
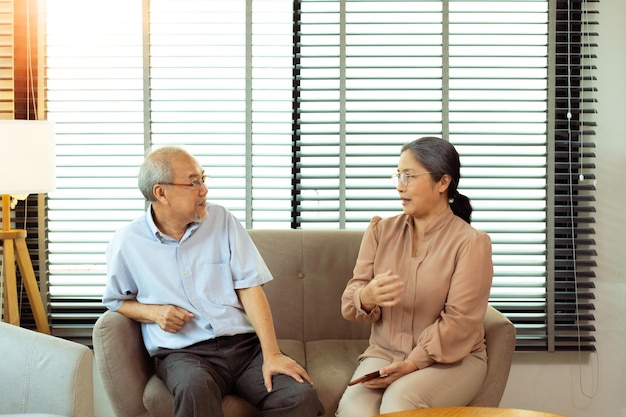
(422, 279)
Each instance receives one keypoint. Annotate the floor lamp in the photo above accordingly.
(27, 166)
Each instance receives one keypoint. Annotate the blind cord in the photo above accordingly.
(581, 177)
(30, 86)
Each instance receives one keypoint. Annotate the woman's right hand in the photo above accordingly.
(385, 290)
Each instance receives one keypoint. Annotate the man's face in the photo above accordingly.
(187, 202)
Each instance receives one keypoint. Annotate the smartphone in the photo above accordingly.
(366, 377)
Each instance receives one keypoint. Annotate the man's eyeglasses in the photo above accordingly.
(401, 177)
(194, 185)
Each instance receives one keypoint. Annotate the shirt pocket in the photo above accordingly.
(216, 285)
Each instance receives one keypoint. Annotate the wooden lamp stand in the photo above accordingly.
(14, 246)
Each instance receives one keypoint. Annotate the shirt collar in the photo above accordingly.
(437, 223)
(162, 237)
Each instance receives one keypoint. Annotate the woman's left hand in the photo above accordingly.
(394, 371)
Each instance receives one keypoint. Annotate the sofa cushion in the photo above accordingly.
(331, 363)
(157, 398)
(294, 349)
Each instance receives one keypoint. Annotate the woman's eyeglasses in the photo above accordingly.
(401, 177)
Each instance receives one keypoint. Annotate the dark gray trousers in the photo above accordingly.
(200, 375)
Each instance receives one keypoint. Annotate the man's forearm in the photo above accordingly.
(168, 317)
(258, 311)
(133, 309)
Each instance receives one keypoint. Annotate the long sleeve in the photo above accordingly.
(447, 278)
(363, 274)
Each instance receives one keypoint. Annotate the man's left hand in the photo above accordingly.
(282, 364)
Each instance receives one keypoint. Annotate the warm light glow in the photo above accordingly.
(27, 157)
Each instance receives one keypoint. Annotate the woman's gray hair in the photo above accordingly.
(157, 169)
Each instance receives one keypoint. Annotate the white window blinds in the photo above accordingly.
(297, 110)
(95, 92)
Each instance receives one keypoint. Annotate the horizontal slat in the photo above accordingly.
(305, 128)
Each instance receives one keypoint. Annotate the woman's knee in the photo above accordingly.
(400, 401)
(359, 401)
(436, 386)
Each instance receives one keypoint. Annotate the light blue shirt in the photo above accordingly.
(199, 273)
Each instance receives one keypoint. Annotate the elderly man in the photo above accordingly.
(188, 272)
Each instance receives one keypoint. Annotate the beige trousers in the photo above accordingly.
(438, 385)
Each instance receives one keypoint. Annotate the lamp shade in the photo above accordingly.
(27, 157)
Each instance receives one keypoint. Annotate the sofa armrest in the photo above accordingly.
(500, 338)
(123, 363)
(43, 374)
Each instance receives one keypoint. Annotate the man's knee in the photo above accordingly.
(196, 394)
(288, 394)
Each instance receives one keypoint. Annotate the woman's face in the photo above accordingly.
(422, 197)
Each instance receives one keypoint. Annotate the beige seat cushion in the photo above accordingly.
(331, 363)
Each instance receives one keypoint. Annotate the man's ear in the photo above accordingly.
(159, 192)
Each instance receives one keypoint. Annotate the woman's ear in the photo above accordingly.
(444, 183)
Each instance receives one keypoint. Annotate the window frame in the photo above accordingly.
(577, 328)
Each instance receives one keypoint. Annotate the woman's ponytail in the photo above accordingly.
(461, 206)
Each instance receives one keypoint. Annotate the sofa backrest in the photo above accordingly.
(310, 269)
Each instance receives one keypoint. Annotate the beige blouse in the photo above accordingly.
(448, 279)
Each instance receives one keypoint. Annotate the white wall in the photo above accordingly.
(586, 385)
(594, 385)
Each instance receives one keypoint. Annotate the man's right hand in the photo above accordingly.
(172, 318)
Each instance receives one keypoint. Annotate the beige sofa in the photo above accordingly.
(310, 271)
(44, 376)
